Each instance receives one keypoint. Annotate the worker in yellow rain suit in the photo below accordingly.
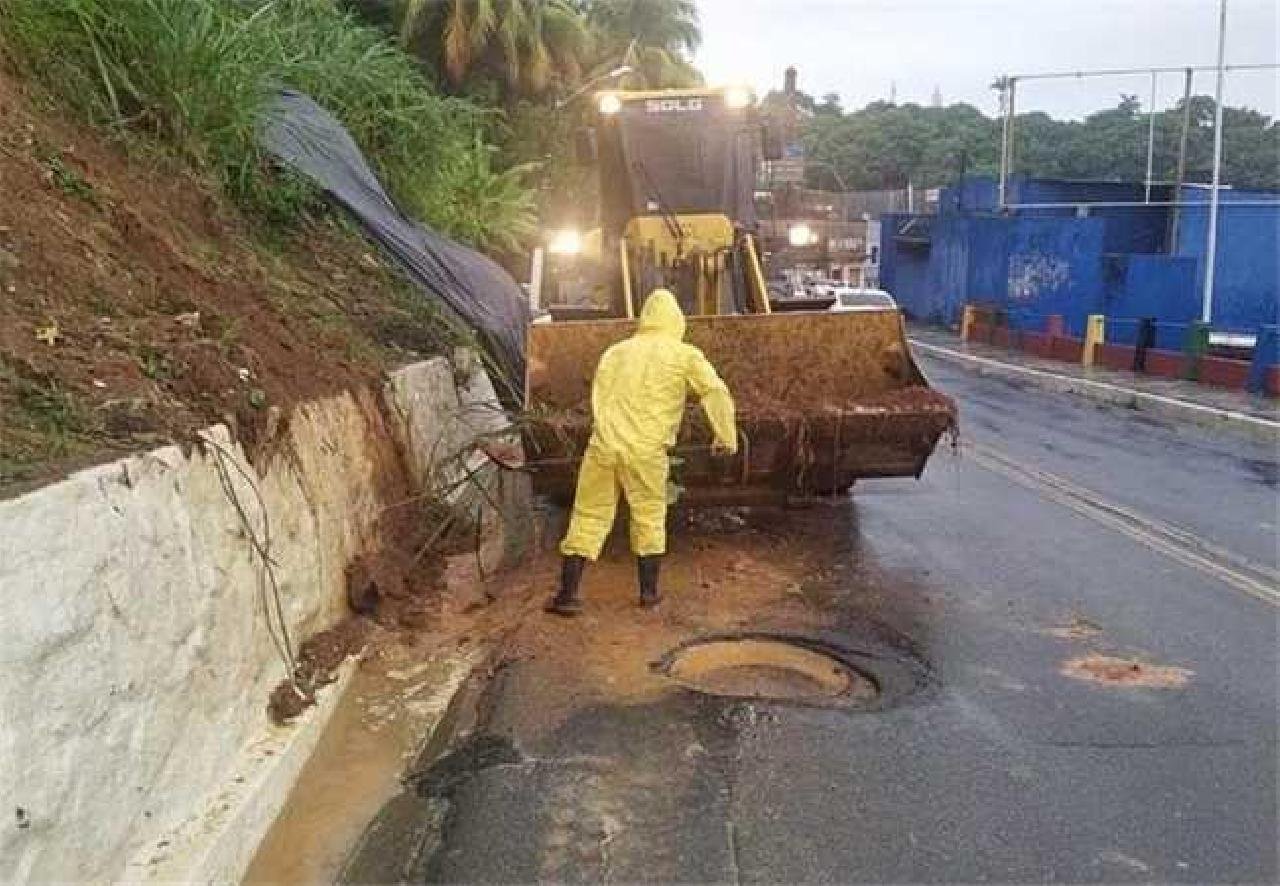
(637, 401)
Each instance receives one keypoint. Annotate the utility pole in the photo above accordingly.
(1010, 86)
(1151, 134)
(1211, 248)
(1176, 215)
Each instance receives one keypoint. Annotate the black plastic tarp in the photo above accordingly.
(471, 286)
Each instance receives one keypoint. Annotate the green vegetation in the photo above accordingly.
(524, 44)
(507, 50)
(885, 145)
(67, 179)
(522, 57)
(656, 38)
(450, 101)
(198, 75)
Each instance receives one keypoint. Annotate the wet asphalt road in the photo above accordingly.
(997, 768)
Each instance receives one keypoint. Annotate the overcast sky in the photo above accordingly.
(861, 48)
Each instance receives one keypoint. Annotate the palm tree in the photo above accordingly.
(526, 43)
(655, 37)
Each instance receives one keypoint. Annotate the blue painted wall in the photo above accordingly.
(1128, 229)
(1040, 262)
(1055, 267)
(1027, 266)
(949, 263)
(905, 268)
(1246, 274)
(1162, 286)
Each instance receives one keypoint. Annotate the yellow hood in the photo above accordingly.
(662, 315)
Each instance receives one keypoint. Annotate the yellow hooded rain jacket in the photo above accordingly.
(637, 402)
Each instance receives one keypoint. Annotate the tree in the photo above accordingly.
(830, 105)
(525, 45)
(885, 146)
(657, 38)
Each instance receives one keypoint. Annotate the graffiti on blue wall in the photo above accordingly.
(1032, 274)
(1073, 263)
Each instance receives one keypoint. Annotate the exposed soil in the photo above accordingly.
(810, 401)
(399, 589)
(137, 305)
(755, 405)
(728, 570)
(396, 591)
(1111, 671)
(318, 660)
(377, 730)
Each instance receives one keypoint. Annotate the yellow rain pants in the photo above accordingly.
(637, 402)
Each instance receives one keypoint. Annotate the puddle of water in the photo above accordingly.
(766, 669)
(375, 731)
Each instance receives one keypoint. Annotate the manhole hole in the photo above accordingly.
(753, 667)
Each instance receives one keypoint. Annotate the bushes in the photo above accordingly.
(197, 75)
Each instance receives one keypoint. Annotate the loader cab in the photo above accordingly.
(677, 171)
(680, 152)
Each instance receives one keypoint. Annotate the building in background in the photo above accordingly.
(811, 235)
(1085, 254)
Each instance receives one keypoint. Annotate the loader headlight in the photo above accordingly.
(609, 103)
(566, 242)
(736, 97)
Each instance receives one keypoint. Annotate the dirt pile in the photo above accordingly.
(399, 582)
(136, 305)
(913, 417)
(318, 661)
(763, 403)
(396, 590)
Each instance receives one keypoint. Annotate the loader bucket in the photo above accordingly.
(822, 399)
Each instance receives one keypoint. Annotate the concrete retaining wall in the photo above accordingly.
(135, 660)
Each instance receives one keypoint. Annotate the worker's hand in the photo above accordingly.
(721, 450)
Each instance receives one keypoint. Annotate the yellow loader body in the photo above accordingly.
(823, 398)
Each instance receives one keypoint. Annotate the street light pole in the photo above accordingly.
(1211, 248)
(620, 71)
(1151, 135)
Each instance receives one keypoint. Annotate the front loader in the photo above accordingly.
(823, 398)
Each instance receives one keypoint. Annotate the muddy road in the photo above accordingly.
(1070, 628)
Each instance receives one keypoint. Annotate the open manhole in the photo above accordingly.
(767, 668)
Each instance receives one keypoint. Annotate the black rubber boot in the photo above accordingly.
(566, 601)
(647, 569)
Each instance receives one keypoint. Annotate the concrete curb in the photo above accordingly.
(1104, 392)
(358, 765)
(217, 845)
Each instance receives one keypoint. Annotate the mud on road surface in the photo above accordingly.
(579, 762)
(582, 720)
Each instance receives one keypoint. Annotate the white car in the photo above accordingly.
(849, 298)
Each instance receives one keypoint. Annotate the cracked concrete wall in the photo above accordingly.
(463, 394)
(135, 661)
